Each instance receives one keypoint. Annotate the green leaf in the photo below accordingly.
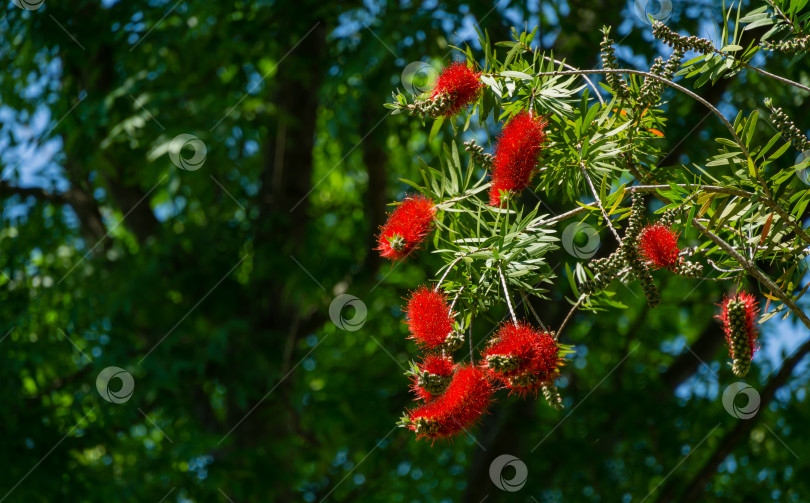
(434, 130)
(516, 75)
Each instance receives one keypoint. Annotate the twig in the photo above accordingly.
(754, 271)
(456, 298)
(531, 308)
(779, 11)
(506, 294)
(570, 314)
(718, 268)
(768, 200)
(777, 77)
(559, 218)
(707, 188)
(585, 77)
(763, 72)
(680, 88)
(750, 268)
(453, 264)
(644, 188)
(599, 203)
(471, 344)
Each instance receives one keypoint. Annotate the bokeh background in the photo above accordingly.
(206, 273)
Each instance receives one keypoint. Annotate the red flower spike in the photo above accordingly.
(659, 246)
(522, 358)
(516, 155)
(431, 377)
(459, 86)
(466, 399)
(739, 316)
(429, 318)
(406, 228)
(437, 364)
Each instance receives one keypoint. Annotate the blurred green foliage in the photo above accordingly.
(212, 287)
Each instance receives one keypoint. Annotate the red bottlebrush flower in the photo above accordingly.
(406, 228)
(429, 318)
(522, 358)
(461, 405)
(459, 86)
(431, 376)
(516, 155)
(658, 244)
(739, 316)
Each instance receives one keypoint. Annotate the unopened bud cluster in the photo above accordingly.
(787, 128)
(453, 341)
(681, 43)
(432, 107)
(503, 363)
(792, 46)
(604, 271)
(435, 384)
(478, 155)
(654, 245)
(614, 80)
(653, 88)
(688, 269)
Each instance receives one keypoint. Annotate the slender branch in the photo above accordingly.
(707, 188)
(763, 72)
(449, 202)
(718, 268)
(599, 202)
(768, 200)
(531, 308)
(506, 294)
(453, 264)
(456, 298)
(558, 218)
(754, 271)
(570, 314)
(777, 77)
(643, 188)
(779, 11)
(784, 216)
(751, 269)
(680, 88)
(585, 77)
(472, 362)
(800, 231)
